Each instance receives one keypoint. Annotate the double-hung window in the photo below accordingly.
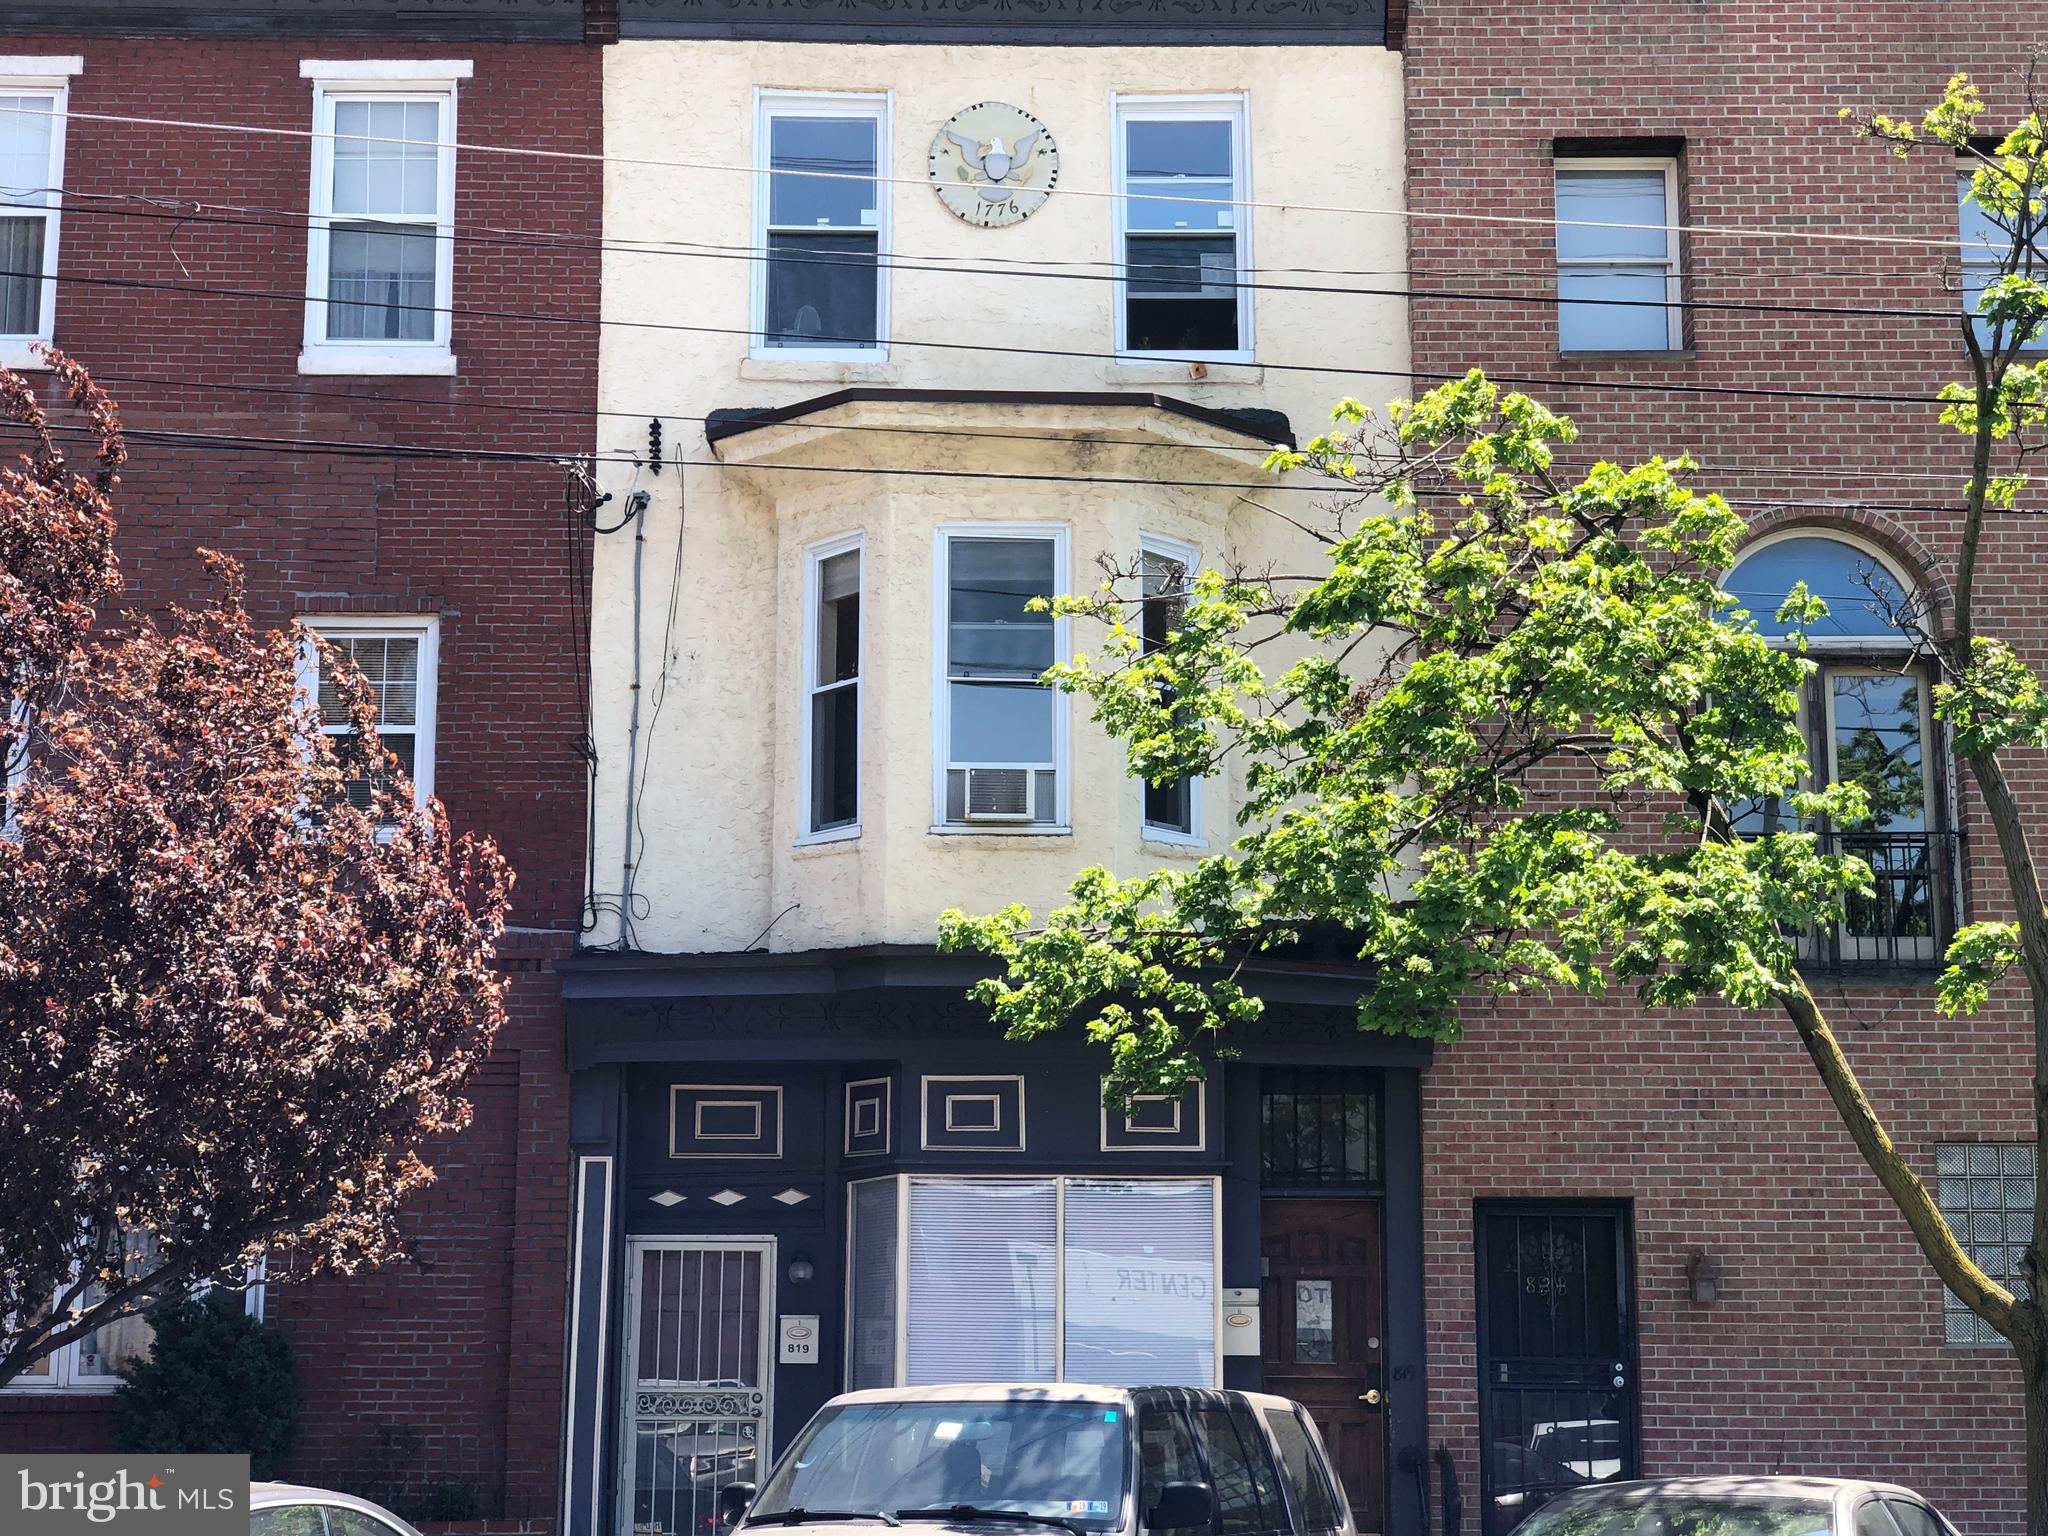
(1617, 256)
(832, 661)
(380, 250)
(1182, 227)
(1987, 250)
(33, 99)
(1165, 567)
(399, 658)
(1001, 731)
(821, 225)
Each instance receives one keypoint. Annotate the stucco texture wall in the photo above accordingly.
(718, 750)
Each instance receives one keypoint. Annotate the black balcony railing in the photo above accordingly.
(1907, 919)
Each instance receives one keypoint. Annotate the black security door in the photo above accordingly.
(1557, 1358)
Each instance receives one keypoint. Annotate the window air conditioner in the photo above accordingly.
(999, 794)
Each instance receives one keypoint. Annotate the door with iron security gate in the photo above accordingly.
(699, 1379)
(1557, 1353)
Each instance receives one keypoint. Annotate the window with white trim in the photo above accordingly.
(34, 96)
(92, 1363)
(380, 246)
(1101, 1280)
(399, 659)
(820, 226)
(1165, 568)
(1987, 246)
(832, 673)
(1001, 731)
(1182, 227)
(1617, 255)
(1986, 1194)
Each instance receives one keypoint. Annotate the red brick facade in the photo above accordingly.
(1824, 1351)
(444, 1372)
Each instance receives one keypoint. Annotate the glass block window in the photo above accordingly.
(1986, 1190)
(1319, 1126)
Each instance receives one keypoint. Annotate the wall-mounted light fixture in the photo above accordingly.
(801, 1271)
(1703, 1279)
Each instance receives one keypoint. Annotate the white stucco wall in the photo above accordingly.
(719, 762)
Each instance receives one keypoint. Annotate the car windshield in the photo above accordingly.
(1680, 1515)
(1065, 1460)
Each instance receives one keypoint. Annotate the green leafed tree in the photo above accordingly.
(1486, 631)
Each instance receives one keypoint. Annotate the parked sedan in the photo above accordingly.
(1738, 1506)
(285, 1509)
(1090, 1461)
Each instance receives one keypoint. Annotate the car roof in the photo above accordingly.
(1766, 1485)
(1042, 1391)
(991, 1392)
(271, 1495)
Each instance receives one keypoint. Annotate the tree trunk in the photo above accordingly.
(2034, 1376)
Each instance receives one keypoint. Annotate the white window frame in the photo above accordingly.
(42, 75)
(337, 80)
(425, 628)
(815, 556)
(1674, 272)
(1059, 1181)
(1059, 535)
(769, 105)
(1232, 107)
(1190, 559)
(1963, 208)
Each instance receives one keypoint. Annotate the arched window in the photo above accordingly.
(1866, 714)
(1866, 598)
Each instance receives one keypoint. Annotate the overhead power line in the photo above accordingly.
(1710, 468)
(591, 157)
(953, 266)
(1625, 386)
(436, 452)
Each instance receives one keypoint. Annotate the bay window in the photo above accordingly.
(1001, 731)
(832, 670)
(380, 251)
(1164, 568)
(1112, 1281)
(33, 98)
(819, 227)
(1181, 225)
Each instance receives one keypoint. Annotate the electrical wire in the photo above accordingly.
(589, 157)
(949, 266)
(1799, 468)
(437, 452)
(1628, 386)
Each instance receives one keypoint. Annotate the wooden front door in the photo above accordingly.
(1320, 1313)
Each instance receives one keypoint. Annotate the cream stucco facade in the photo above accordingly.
(720, 860)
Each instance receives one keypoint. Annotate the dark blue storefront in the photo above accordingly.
(800, 1174)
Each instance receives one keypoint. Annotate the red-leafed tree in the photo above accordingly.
(243, 979)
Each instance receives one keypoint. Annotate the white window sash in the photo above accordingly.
(1980, 270)
(1674, 317)
(1189, 559)
(48, 77)
(373, 80)
(1231, 108)
(814, 562)
(769, 106)
(943, 538)
(427, 631)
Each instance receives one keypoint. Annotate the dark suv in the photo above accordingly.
(1091, 1461)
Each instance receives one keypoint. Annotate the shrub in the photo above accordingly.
(216, 1381)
